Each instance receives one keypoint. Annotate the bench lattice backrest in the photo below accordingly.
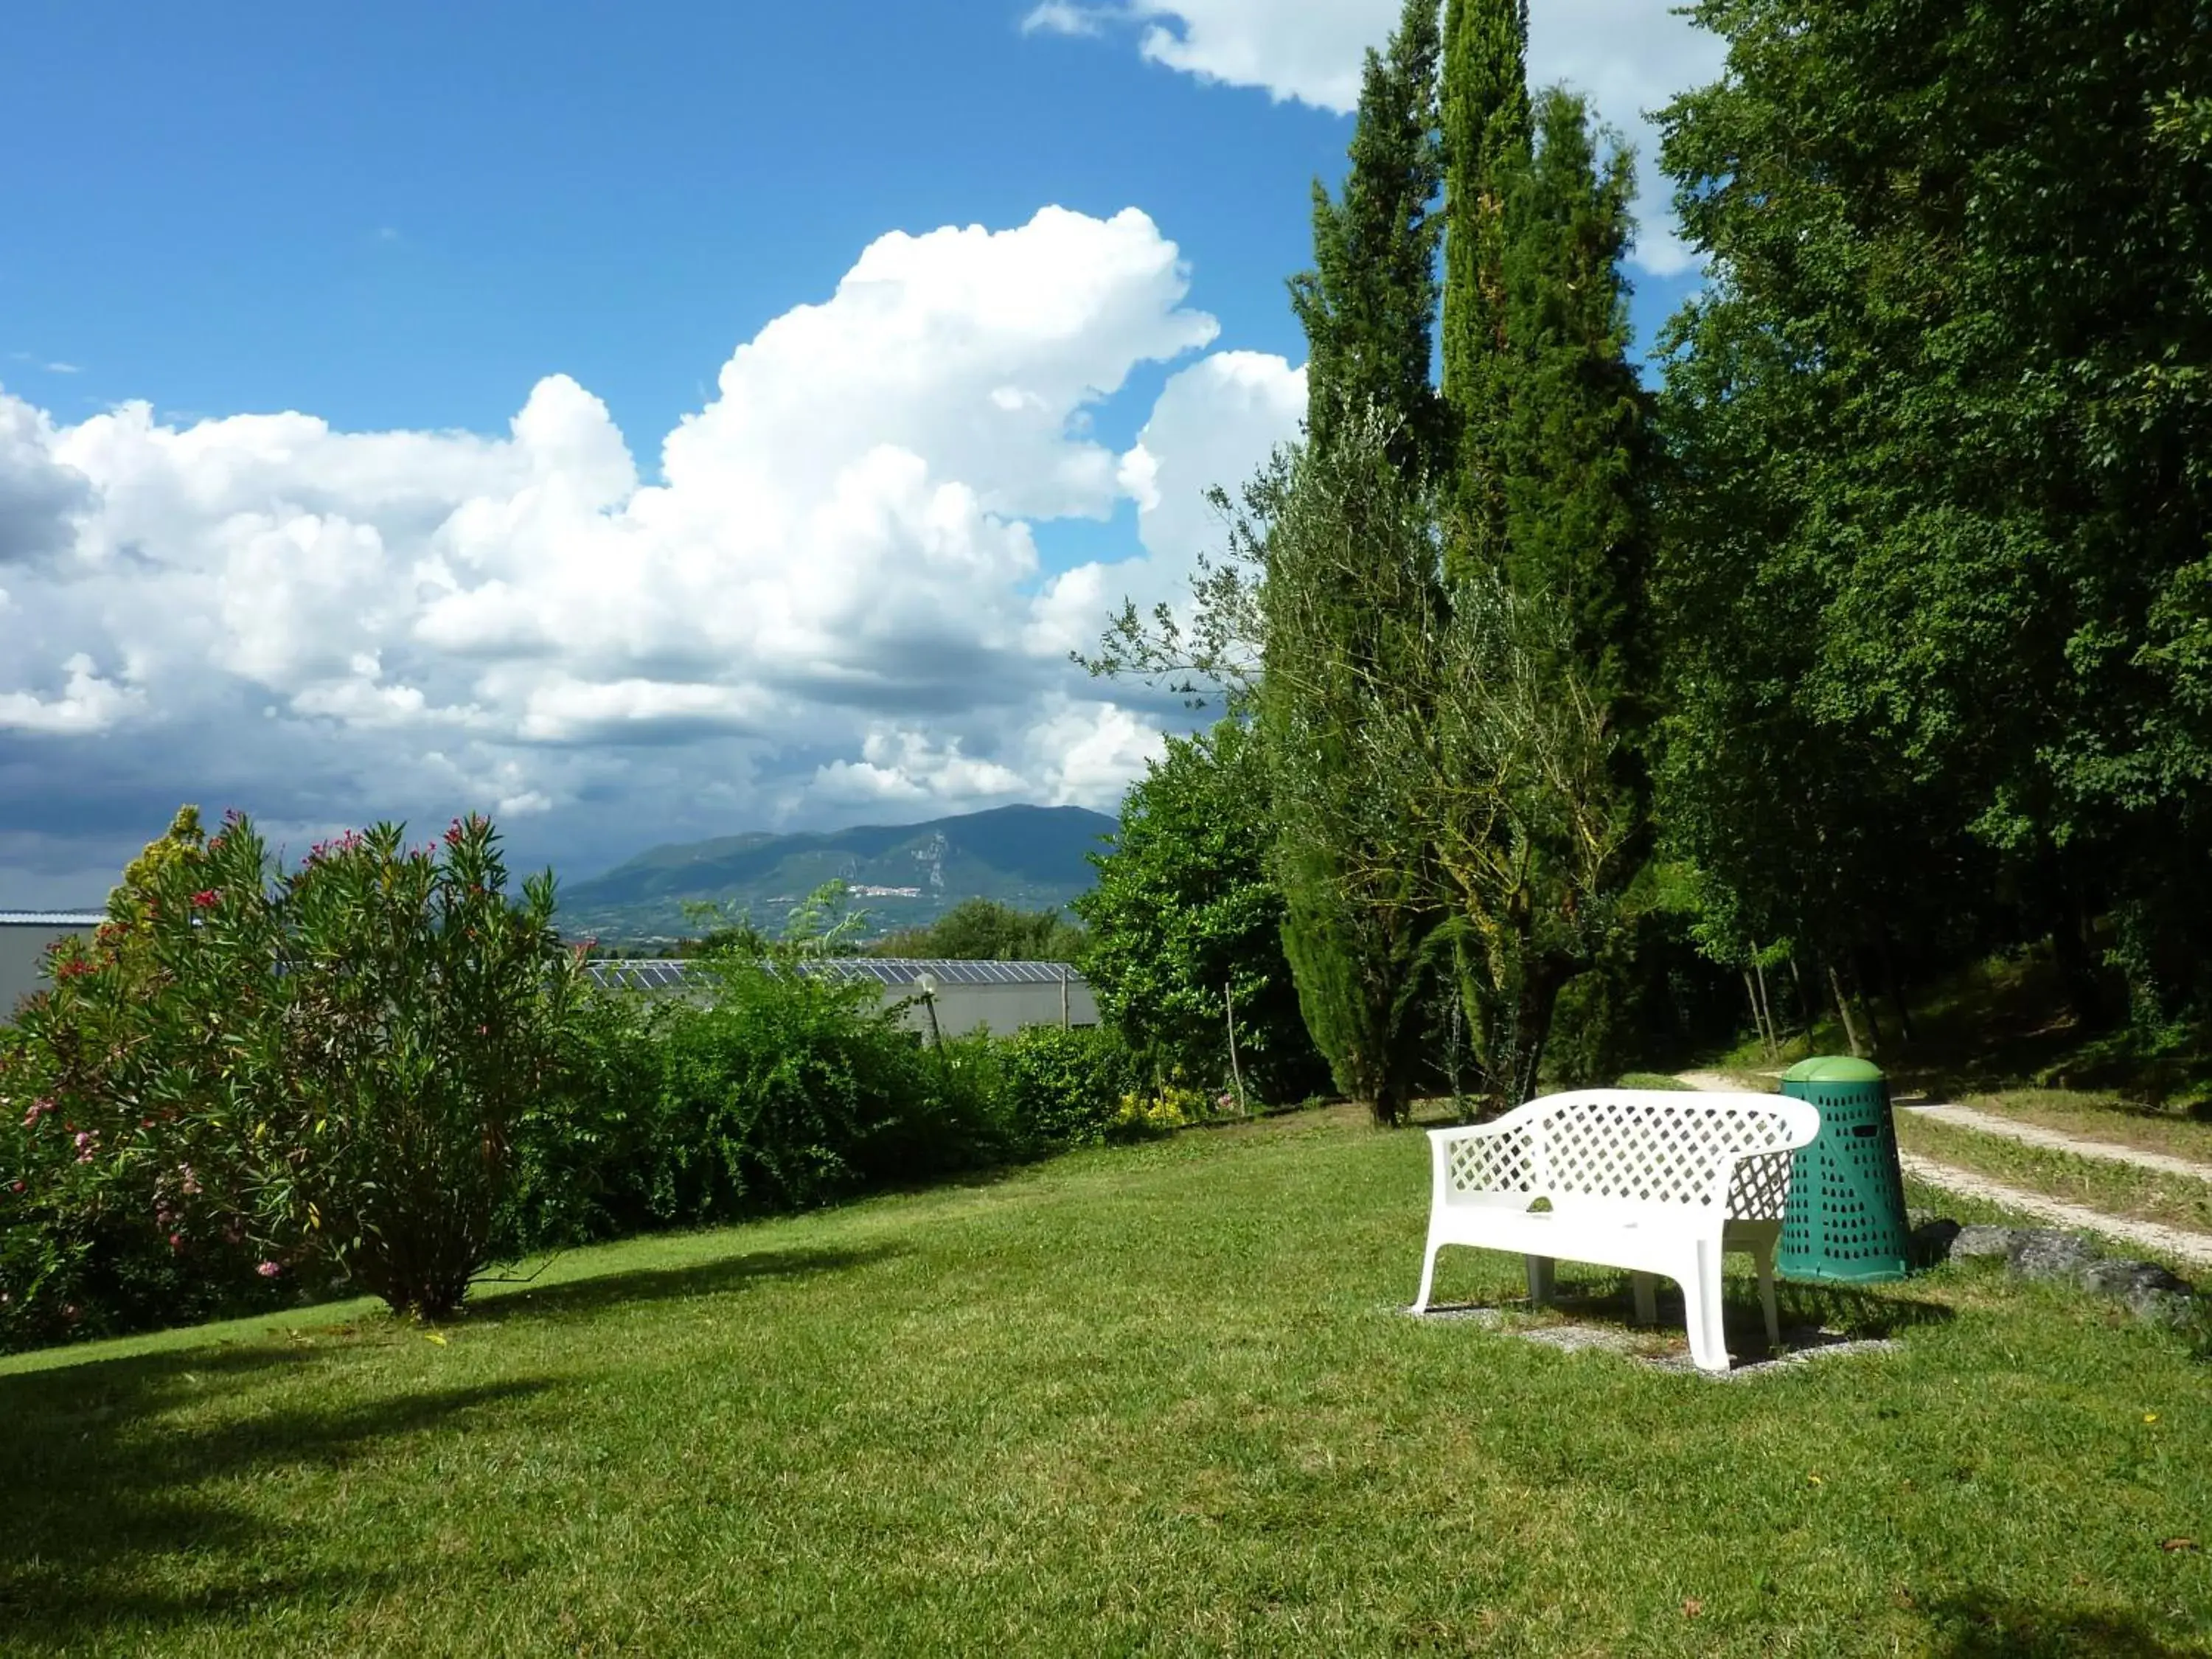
(1636, 1146)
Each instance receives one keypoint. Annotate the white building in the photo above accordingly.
(24, 937)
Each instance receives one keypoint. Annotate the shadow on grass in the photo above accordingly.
(1984, 1627)
(1850, 1312)
(579, 1297)
(124, 1521)
(118, 1524)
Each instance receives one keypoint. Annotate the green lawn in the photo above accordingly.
(1156, 1401)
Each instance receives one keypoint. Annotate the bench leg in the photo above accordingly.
(1646, 1286)
(1539, 1278)
(1765, 1258)
(1701, 1306)
(1428, 1275)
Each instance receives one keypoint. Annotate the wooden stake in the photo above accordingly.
(1773, 1036)
(1235, 1071)
(1844, 1008)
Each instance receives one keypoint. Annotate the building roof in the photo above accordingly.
(895, 971)
(50, 918)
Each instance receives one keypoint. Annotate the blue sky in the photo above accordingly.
(426, 222)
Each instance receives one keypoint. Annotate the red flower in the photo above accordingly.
(206, 899)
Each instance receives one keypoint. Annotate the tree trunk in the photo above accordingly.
(1538, 1001)
(1804, 997)
(1758, 1016)
(2077, 970)
(1864, 1004)
(1895, 985)
(1766, 1003)
(1843, 1012)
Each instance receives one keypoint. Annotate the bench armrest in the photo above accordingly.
(1503, 1157)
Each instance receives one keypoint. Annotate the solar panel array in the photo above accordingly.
(905, 970)
(637, 975)
(895, 972)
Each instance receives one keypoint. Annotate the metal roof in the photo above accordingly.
(670, 974)
(50, 918)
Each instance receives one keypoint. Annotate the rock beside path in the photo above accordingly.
(2044, 1254)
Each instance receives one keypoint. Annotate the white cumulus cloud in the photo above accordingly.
(1630, 55)
(828, 599)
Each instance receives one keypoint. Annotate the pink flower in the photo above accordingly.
(15, 1186)
(191, 1182)
(176, 1241)
(38, 1109)
(268, 1270)
(87, 1146)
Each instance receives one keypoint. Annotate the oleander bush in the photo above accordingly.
(379, 1071)
(330, 1068)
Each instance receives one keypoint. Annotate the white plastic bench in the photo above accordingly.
(1655, 1182)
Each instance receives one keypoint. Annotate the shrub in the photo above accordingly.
(333, 1065)
(1157, 1112)
(1064, 1088)
(780, 1089)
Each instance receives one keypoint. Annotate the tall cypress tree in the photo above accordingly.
(1486, 125)
(1572, 437)
(1357, 909)
(1369, 305)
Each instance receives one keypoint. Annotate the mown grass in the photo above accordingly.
(2119, 1189)
(2096, 1115)
(1155, 1401)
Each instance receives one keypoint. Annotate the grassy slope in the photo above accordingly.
(2095, 1116)
(1156, 1401)
(1996, 1037)
(2115, 1188)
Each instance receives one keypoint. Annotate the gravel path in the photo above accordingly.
(1989, 1123)
(1714, 1083)
(2173, 1244)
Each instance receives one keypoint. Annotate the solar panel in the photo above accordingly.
(895, 973)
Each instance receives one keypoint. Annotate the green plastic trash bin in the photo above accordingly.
(1845, 1223)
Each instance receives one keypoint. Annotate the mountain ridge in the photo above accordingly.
(1030, 857)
